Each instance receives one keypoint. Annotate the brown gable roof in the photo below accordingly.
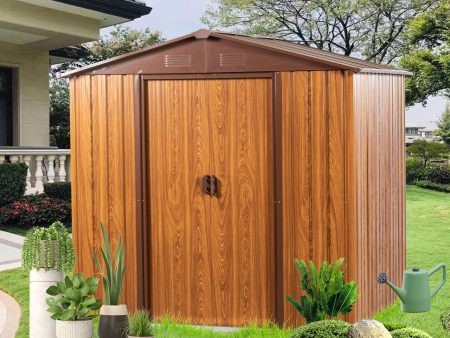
(266, 43)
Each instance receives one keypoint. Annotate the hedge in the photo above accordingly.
(323, 329)
(415, 171)
(433, 186)
(13, 182)
(439, 174)
(60, 190)
(409, 332)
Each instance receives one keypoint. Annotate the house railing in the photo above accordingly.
(45, 165)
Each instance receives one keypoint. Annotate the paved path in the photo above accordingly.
(10, 258)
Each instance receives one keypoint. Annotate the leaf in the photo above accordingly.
(61, 286)
(68, 314)
(73, 294)
(97, 305)
(53, 290)
(54, 309)
(84, 290)
(51, 302)
(76, 281)
(88, 301)
(68, 281)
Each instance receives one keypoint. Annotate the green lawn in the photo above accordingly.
(428, 235)
(428, 239)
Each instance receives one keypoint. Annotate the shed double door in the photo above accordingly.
(212, 257)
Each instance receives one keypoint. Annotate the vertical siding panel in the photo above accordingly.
(319, 162)
(129, 225)
(336, 156)
(100, 156)
(296, 180)
(74, 162)
(84, 175)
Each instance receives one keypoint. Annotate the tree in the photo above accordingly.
(121, 40)
(428, 54)
(444, 125)
(373, 29)
(427, 151)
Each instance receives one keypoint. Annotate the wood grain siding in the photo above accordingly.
(103, 170)
(379, 142)
(212, 258)
(316, 195)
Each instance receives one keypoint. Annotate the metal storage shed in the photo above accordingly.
(220, 158)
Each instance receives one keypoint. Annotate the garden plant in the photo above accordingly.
(327, 294)
(140, 324)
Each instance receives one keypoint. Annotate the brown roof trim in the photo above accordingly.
(267, 43)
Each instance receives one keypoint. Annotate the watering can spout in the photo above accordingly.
(382, 279)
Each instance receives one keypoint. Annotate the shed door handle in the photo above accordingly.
(210, 185)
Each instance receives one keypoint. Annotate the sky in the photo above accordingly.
(174, 18)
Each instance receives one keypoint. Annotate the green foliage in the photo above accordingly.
(35, 210)
(428, 46)
(444, 125)
(409, 332)
(445, 319)
(64, 258)
(140, 324)
(73, 299)
(433, 186)
(394, 326)
(427, 151)
(327, 293)
(114, 269)
(13, 178)
(323, 329)
(59, 113)
(415, 171)
(373, 29)
(439, 174)
(60, 190)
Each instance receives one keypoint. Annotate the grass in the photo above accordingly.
(428, 238)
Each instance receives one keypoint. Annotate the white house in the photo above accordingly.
(421, 130)
(34, 34)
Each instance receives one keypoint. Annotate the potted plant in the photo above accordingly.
(48, 248)
(113, 321)
(140, 325)
(73, 306)
(46, 253)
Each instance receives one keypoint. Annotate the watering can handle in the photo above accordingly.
(444, 276)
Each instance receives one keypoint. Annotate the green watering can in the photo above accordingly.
(415, 294)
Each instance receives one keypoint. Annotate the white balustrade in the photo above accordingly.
(44, 165)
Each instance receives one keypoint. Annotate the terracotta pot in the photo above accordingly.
(113, 321)
(55, 254)
(74, 329)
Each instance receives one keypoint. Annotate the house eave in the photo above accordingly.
(129, 10)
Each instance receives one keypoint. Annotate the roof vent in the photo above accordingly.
(177, 60)
(232, 59)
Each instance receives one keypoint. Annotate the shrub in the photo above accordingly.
(433, 186)
(393, 326)
(32, 248)
(445, 319)
(409, 332)
(439, 174)
(60, 190)
(140, 324)
(75, 300)
(35, 211)
(323, 329)
(13, 178)
(415, 171)
(327, 293)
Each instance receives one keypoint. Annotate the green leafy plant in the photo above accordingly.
(140, 324)
(114, 272)
(439, 174)
(60, 190)
(415, 171)
(326, 292)
(433, 186)
(394, 326)
(409, 332)
(323, 329)
(48, 248)
(12, 182)
(73, 299)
